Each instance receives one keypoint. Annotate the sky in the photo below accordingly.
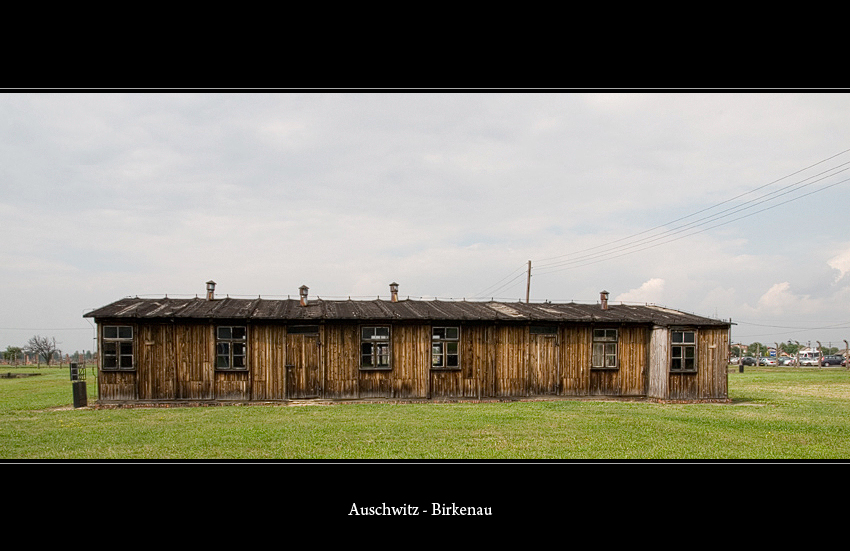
(726, 204)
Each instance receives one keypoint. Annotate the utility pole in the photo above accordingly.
(528, 283)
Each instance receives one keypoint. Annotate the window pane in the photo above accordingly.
(436, 360)
(382, 332)
(222, 348)
(452, 360)
(238, 333)
(676, 364)
(383, 361)
(126, 347)
(676, 352)
(239, 349)
(224, 332)
(126, 361)
(438, 333)
(597, 355)
(222, 361)
(110, 348)
(451, 332)
(436, 348)
(598, 334)
(238, 361)
(125, 332)
(451, 347)
(689, 364)
(367, 332)
(366, 348)
(366, 360)
(688, 337)
(110, 332)
(110, 360)
(689, 351)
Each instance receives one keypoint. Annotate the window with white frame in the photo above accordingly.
(118, 347)
(445, 351)
(231, 346)
(683, 351)
(375, 347)
(604, 349)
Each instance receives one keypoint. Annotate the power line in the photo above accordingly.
(629, 248)
(701, 231)
(705, 209)
(705, 220)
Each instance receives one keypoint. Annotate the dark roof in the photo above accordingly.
(384, 310)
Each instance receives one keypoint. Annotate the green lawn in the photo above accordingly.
(776, 413)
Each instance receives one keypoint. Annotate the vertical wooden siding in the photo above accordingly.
(511, 368)
(176, 362)
(411, 361)
(710, 380)
(267, 362)
(341, 348)
(575, 360)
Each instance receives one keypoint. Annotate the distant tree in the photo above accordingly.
(11, 354)
(736, 350)
(42, 346)
(756, 348)
(790, 348)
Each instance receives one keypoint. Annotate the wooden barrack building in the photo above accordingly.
(263, 350)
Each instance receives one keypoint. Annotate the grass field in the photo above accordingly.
(776, 413)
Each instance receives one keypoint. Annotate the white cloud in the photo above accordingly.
(840, 262)
(651, 291)
(779, 300)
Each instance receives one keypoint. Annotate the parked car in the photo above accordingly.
(734, 360)
(787, 360)
(767, 361)
(748, 360)
(808, 361)
(832, 360)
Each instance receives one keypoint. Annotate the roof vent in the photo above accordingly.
(303, 292)
(394, 291)
(603, 298)
(210, 290)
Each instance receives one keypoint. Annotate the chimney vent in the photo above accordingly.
(303, 292)
(210, 290)
(394, 291)
(603, 297)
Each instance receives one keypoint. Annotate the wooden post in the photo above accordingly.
(528, 283)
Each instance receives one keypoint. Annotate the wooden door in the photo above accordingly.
(543, 360)
(302, 363)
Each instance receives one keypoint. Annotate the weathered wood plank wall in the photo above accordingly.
(176, 361)
(575, 360)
